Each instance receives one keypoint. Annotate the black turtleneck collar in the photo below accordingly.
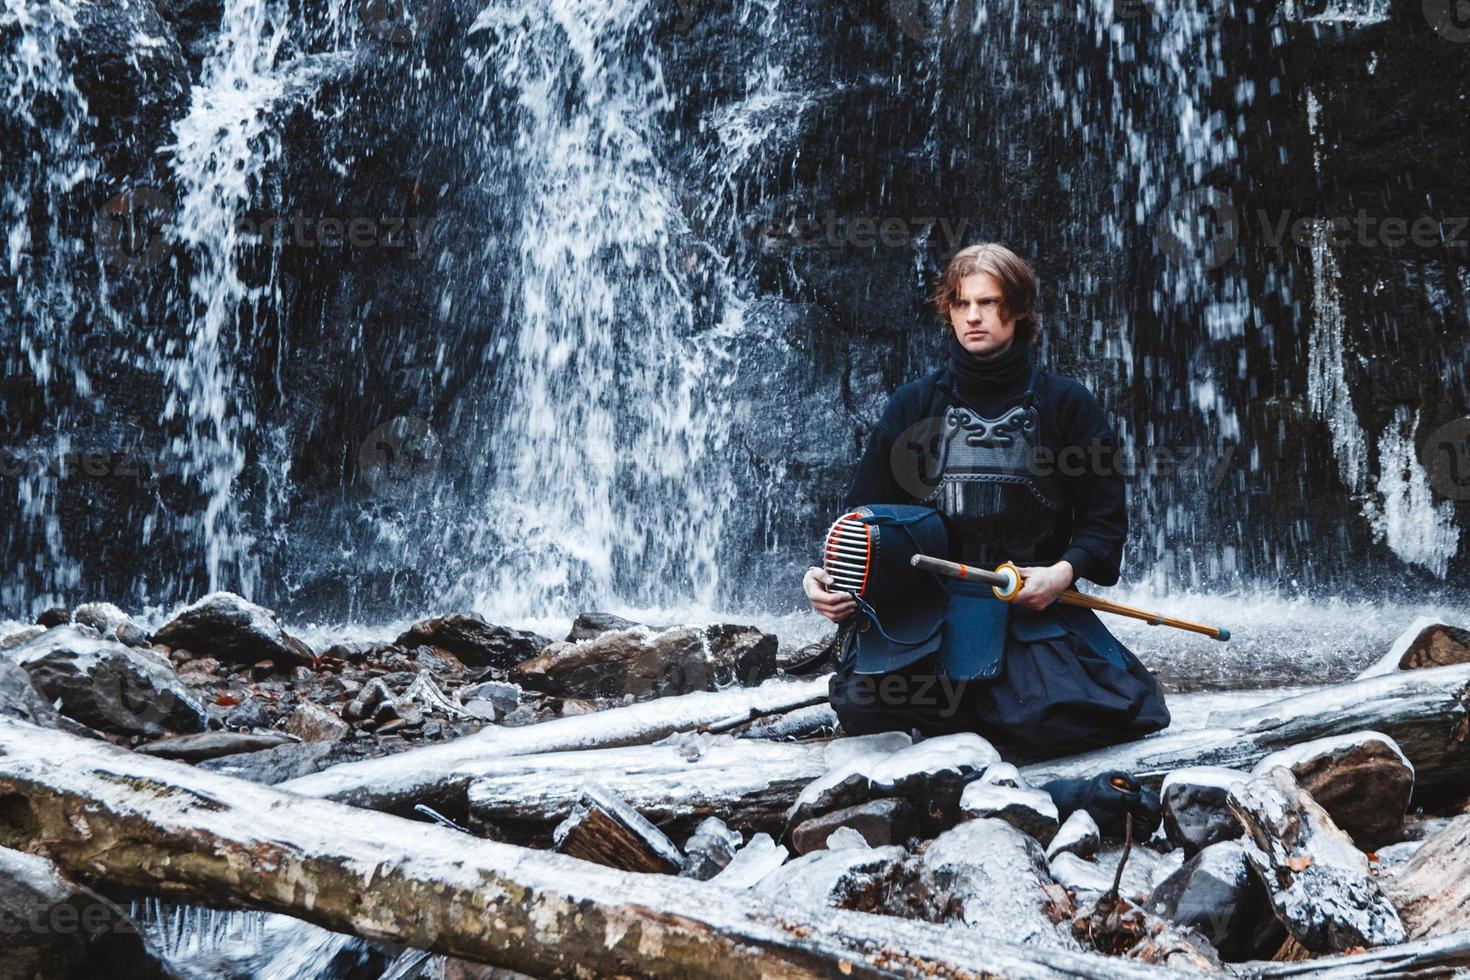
(984, 380)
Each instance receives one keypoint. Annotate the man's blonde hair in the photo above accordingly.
(1017, 283)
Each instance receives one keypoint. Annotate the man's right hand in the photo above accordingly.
(836, 606)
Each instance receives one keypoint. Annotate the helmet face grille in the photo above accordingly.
(848, 553)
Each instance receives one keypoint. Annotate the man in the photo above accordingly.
(1018, 464)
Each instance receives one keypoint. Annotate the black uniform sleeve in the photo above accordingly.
(1098, 491)
(873, 482)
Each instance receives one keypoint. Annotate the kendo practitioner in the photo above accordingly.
(970, 459)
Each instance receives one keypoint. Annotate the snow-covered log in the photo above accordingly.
(1423, 711)
(438, 775)
(107, 815)
(1438, 957)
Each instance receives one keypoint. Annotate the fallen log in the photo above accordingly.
(107, 815)
(1424, 711)
(439, 775)
(1432, 889)
(605, 830)
(746, 783)
(1438, 957)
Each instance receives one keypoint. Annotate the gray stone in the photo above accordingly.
(107, 686)
(505, 696)
(1077, 835)
(103, 617)
(1195, 806)
(1028, 810)
(474, 641)
(878, 822)
(313, 723)
(1216, 894)
(212, 745)
(20, 699)
(231, 630)
(848, 877)
(590, 624)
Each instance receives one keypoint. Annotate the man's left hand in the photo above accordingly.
(1041, 584)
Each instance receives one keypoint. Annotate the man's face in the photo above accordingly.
(976, 316)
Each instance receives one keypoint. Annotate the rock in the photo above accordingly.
(55, 616)
(107, 686)
(524, 715)
(251, 713)
(991, 876)
(590, 624)
(1362, 780)
(103, 617)
(438, 661)
(1077, 835)
(506, 697)
(932, 774)
(1144, 869)
(1320, 884)
(709, 850)
(226, 627)
(212, 745)
(1028, 810)
(22, 635)
(357, 651)
(1004, 774)
(877, 822)
(646, 664)
(55, 929)
(20, 699)
(1426, 643)
(846, 782)
(313, 723)
(1196, 806)
(850, 878)
(1109, 797)
(1215, 894)
(1083, 877)
(758, 858)
(474, 641)
(367, 700)
(132, 635)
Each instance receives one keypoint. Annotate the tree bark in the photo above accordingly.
(1437, 957)
(1424, 711)
(108, 815)
(1432, 889)
(438, 775)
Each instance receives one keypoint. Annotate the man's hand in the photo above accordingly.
(836, 606)
(1041, 584)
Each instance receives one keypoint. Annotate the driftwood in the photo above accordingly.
(1432, 889)
(439, 775)
(1424, 711)
(605, 830)
(1438, 957)
(746, 783)
(104, 814)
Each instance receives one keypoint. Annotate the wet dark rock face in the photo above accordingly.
(1018, 134)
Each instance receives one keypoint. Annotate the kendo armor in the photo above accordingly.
(1000, 505)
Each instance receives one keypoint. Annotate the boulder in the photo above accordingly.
(474, 641)
(20, 699)
(590, 624)
(932, 774)
(1078, 835)
(1426, 643)
(55, 929)
(212, 745)
(1028, 810)
(990, 876)
(1196, 807)
(103, 617)
(108, 686)
(504, 696)
(878, 822)
(1362, 780)
(1142, 872)
(845, 783)
(1217, 896)
(645, 663)
(1320, 884)
(22, 635)
(229, 629)
(1004, 774)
